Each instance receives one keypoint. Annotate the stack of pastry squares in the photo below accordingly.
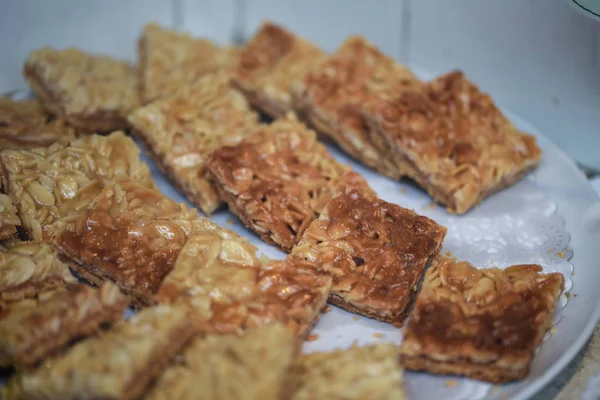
(216, 320)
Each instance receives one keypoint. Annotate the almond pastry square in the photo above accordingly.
(227, 290)
(24, 125)
(182, 130)
(370, 372)
(452, 140)
(9, 220)
(278, 180)
(43, 182)
(127, 234)
(29, 269)
(252, 367)
(273, 60)
(332, 96)
(31, 331)
(481, 323)
(120, 363)
(91, 92)
(169, 60)
(375, 251)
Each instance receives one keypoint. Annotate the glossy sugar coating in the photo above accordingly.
(481, 323)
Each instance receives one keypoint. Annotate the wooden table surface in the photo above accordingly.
(572, 382)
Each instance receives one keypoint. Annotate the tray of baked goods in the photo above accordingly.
(274, 222)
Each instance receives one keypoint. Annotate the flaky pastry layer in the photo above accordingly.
(25, 125)
(31, 331)
(270, 64)
(228, 290)
(128, 234)
(28, 269)
(118, 364)
(484, 324)
(332, 96)
(451, 139)
(278, 180)
(169, 60)
(92, 92)
(183, 129)
(252, 367)
(375, 251)
(44, 183)
(370, 372)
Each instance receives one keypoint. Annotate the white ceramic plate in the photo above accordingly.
(551, 217)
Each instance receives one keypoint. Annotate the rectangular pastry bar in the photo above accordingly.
(9, 220)
(169, 60)
(29, 269)
(24, 125)
(42, 183)
(370, 372)
(228, 290)
(452, 140)
(375, 251)
(332, 96)
(183, 129)
(91, 92)
(273, 60)
(31, 331)
(278, 180)
(128, 234)
(119, 364)
(255, 366)
(484, 324)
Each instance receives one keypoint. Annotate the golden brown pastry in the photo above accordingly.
(227, 289)
(169, 60)
(183, 129)
(375, 251)
(118, 364)
(278, 180)
(271, 62)
(332, 96)
(91, 92)
(451, 139)
(484, 324)
(44, 183)
(33, 330)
